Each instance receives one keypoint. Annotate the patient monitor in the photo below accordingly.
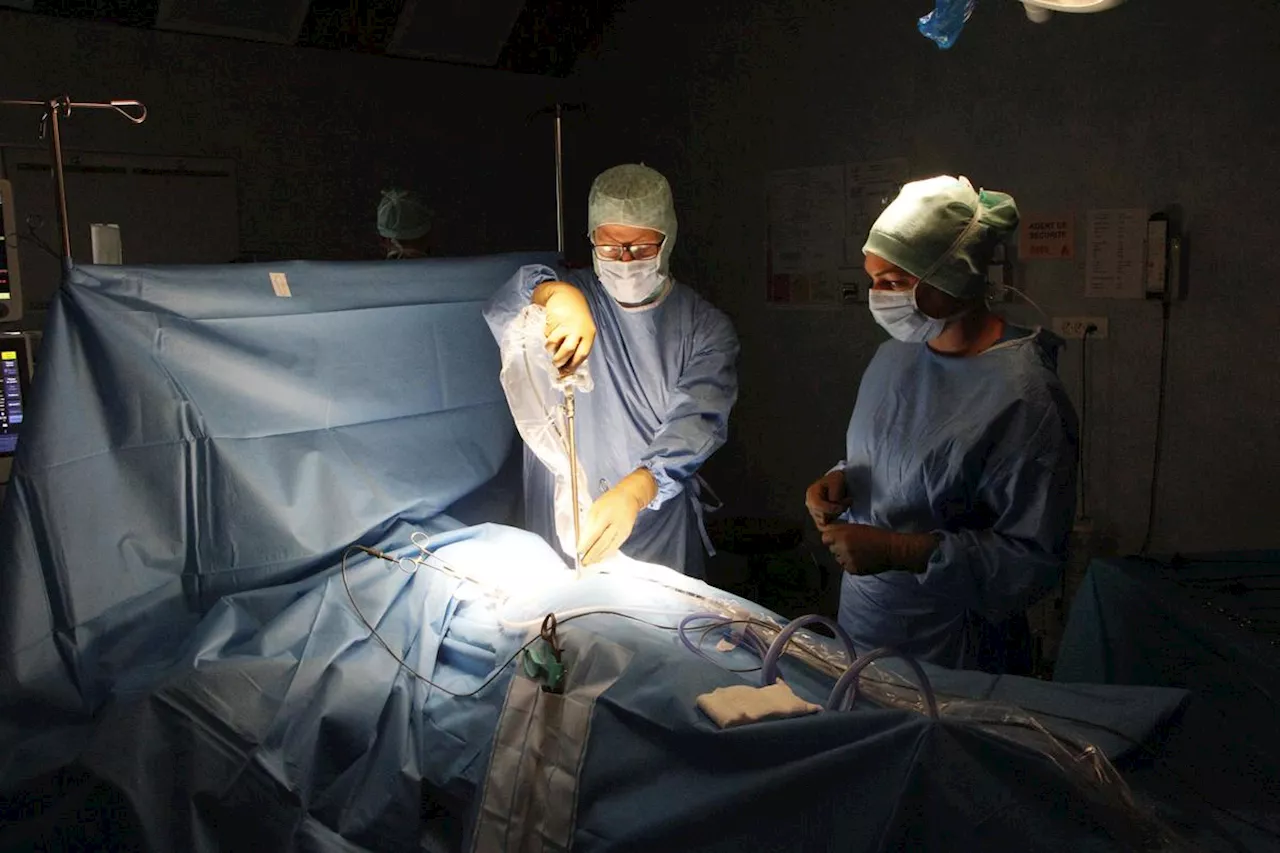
(15, 375)
(10, 277)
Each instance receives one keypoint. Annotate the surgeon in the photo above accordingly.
(951, 511)
(663, 362)
(404, 225)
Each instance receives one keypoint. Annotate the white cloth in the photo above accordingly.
(741, 704)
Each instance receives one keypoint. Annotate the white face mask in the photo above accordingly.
(631, 283)
(898, 314)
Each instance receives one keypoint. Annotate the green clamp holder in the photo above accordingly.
(542, 661)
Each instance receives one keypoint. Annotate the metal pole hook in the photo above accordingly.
(56, 109)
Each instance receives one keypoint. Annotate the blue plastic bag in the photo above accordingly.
(944, 23)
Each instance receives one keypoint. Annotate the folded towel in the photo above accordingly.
(740, 704)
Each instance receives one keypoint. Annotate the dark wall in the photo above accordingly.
(316, 134)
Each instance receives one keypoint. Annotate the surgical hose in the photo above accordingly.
(848, 683)
(749, 639)
(769, 672)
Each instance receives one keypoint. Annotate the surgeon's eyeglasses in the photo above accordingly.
(636, 251)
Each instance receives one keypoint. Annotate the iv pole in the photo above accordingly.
(558, 111)
(57, 109)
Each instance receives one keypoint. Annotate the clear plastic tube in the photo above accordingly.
(848, 683)
(769, 673)
(562, 615)
(749, 640)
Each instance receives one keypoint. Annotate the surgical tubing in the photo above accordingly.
(575, 612)
(848, 683)
(769, 672)
(757, 645)
(749, 640)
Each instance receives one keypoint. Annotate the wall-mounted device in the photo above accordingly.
(1000, 274)
(1163, 277)
(10, 275)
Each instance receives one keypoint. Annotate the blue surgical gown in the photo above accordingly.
(665, 380)
(981, 451)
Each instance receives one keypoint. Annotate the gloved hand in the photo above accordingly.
(827, 498)
(613, 515)
(864, 550)
(570, 329)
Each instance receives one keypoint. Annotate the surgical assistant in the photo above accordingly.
(663, 361)
(404, 225)
(952, 509)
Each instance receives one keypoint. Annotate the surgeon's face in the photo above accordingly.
(626, 243)
(887, 276)
(891, 277)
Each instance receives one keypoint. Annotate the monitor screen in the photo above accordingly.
(6, 294)
(13, 399)
(10, 281)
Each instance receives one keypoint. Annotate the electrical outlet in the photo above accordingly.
(1073, 328)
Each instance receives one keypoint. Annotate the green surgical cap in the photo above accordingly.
(402, 216)
(944, 232)
(637, 196)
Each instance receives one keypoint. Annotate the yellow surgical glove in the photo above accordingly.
(612, 517)
(570, 330)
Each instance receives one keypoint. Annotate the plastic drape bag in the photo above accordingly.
(535, 393)
(944, 23)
